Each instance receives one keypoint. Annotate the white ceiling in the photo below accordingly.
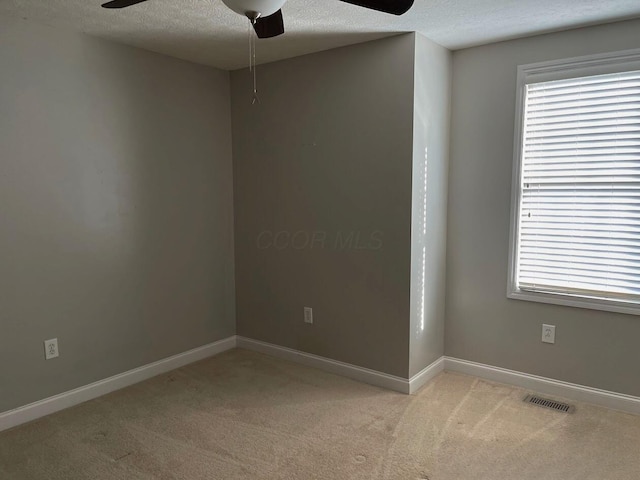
(205, 31)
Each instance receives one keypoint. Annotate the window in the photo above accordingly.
(575, 231)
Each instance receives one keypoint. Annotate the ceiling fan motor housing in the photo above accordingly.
(263, 7)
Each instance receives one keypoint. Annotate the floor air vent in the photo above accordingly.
(552, 404)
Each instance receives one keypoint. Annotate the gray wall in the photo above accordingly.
(116, 216)
(592, 348)
(432, 95)
(328, 152)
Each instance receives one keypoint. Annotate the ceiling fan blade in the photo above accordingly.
(121, 3)
(271, 26)
(396, 7)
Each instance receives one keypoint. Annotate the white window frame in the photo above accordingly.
(548, 71)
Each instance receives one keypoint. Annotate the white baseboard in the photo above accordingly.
(421, 378)
(361, 374)
(68, 399)
(547, 386)
(580, 393)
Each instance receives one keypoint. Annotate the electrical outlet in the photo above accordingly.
(549, 333)
(51, 349)
(308, 315)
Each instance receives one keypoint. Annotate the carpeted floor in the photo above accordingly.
(242, 415)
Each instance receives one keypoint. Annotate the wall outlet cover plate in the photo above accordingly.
(548, 333)
(51, 349)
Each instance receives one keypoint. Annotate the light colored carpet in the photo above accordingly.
(242, 415)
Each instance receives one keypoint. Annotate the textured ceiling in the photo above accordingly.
(205, 31)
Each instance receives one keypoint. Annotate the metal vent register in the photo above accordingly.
(552, 404)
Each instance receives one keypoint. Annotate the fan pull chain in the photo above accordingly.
(252, 61)
(249, 38)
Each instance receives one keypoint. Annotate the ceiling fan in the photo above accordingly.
(266, 15)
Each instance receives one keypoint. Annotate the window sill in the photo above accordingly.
(575, 301)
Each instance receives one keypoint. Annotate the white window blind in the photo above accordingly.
(579, 209)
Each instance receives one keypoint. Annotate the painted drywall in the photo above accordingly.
(322, 187)
(116, 220)
(593, 348)
(432, 98)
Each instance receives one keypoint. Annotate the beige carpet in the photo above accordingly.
(242, 415)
